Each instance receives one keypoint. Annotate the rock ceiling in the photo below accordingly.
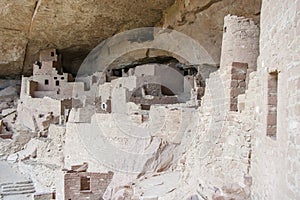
(72, 26)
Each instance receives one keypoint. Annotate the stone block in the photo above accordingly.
(272, 109)
(6, 136)
(272, 100)
(272, 82)
(242, 66)
(218, 197)
(46, 196)
(234, 83)
(86, 185)
(48, 55)
(233, 107)
(271, 131)
(237, 71)
(238, 76)
(242, 84)
(272, 119)
(234, 92)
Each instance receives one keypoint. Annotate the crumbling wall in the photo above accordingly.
(220, 149)
(261, 154)
(30, 110)
(222, 136)
(42, 159)
(155, 100)
(231, 153)
(217, 164)
(131, 149)
(97, 185)
(238, 59)
(237, 83)
(240, 42)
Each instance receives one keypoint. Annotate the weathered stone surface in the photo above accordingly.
(203, 20)
(74, 27)
(277, 153)
(9, 91)
(16, 15)
(12, 51)
(222, 154)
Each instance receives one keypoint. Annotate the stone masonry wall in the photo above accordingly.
(238, 83)
(240, 49)
(233, 154)
(275, 167)
(240, 42)
(98, 185)
(223, 140)
(33, 86)
(221, 152)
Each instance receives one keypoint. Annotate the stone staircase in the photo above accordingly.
(22, 187)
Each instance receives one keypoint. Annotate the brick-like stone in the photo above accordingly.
(242, 84)
(233, 107)
(272, 100)
(234, 92)
(234, 83)
(98, 185)
(271, 131)
(272, 108)
(238, 76)
(272, 83)
(272, 119)
(242, 66)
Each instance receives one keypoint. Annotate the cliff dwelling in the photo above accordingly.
(160, 100)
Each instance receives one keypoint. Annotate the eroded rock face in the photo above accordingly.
(203, 20)
(74, 27)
